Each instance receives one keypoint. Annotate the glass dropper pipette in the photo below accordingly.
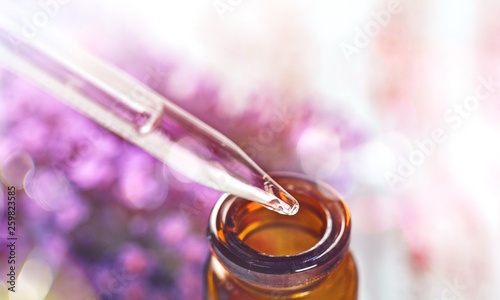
(133, 111)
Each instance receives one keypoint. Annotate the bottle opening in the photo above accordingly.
(279, 235)
(264, 255)
(262, 246)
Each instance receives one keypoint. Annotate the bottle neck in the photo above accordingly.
(267, 251)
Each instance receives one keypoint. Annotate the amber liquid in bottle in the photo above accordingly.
(259, 254)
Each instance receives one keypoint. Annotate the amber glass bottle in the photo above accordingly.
(259, 254)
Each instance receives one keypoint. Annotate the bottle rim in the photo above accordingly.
(256, 267)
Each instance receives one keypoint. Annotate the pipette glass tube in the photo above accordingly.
(133, 111)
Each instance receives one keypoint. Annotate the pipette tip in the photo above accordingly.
(282, 202)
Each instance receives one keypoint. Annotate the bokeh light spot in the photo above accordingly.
(172, 230)
(34, 282)
(15, 168)
(143, 191)
(319, 151)
(50, 189)
(2, 200)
